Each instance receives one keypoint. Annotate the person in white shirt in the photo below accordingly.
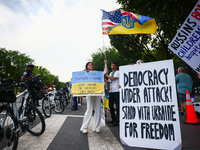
(113, 81)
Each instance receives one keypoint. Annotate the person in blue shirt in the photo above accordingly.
(74, 99)
(184, 82)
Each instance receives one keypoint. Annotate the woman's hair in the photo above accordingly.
(86, 66)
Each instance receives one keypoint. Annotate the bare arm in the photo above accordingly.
(106, 81)
(111, 78)
(24, 78)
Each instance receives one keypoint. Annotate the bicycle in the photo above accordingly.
(29, 112)
(64, 95)
(49, 102)
(13, 120)
(8, 124)
(9, 133)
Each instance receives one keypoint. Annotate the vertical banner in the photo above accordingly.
(149, 115)
(186, 43)
(87, 83)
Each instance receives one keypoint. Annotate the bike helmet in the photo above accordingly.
(30, 65)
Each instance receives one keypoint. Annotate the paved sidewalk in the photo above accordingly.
(104, 140)
(63, 132)
(30, 142)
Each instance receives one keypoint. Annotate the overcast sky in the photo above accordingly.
(59, 35)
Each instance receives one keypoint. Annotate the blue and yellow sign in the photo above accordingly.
(87, 83)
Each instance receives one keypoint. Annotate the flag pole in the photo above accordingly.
(105, 60)
(103, 37)
(104, 47)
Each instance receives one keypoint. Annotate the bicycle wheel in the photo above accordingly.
(8, 125)
(46, 107)
(35, 120)
(58, 106)
(65, 101)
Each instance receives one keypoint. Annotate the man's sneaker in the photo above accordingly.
(110, 121)
(115, 124)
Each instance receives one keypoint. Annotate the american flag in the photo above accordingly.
(113, 18)
(110, 19)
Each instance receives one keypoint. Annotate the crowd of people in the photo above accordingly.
(112, 88)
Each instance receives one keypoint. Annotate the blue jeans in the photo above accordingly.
(75, 102)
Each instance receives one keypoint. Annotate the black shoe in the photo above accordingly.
(110, 122)
(181, 113)
(74, 109)
(37, 105)
(115, 124)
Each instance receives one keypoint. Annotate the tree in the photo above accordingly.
(112, 55)
(12, 64)
(169, 16)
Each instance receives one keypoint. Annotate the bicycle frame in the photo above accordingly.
(24, 94)
(13, 106)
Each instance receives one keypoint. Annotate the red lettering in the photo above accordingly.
(196, 14)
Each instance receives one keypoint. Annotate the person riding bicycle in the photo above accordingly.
(32, 88)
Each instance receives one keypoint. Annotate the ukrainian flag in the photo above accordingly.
(106, 101)
(124, 22)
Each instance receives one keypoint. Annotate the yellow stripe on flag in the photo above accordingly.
(146, 28)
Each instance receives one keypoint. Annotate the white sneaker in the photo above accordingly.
(79, 104)
(84, 131)
(97, 130)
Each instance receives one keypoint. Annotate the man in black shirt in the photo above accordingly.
(28, 75)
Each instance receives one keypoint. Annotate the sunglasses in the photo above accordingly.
(139, 62)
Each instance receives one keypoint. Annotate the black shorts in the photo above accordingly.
(182, 97)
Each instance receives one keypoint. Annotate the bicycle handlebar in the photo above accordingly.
(26, 82)
(31, 79)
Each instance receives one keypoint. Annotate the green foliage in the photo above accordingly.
(112, 55)
(169, 16)
(13, 64)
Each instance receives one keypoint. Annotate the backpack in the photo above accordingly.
(7, 91)
(38, 84)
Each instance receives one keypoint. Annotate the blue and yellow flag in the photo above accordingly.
(87, 83)
(124, 22)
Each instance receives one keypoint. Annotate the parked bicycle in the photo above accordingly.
(63, 95)
(49, 102)
(14, 121)
(9, 132)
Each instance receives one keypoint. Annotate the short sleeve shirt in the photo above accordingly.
(114, 85)
(27, 73)
(184, 82)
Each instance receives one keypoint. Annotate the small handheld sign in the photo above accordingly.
(87, 83)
